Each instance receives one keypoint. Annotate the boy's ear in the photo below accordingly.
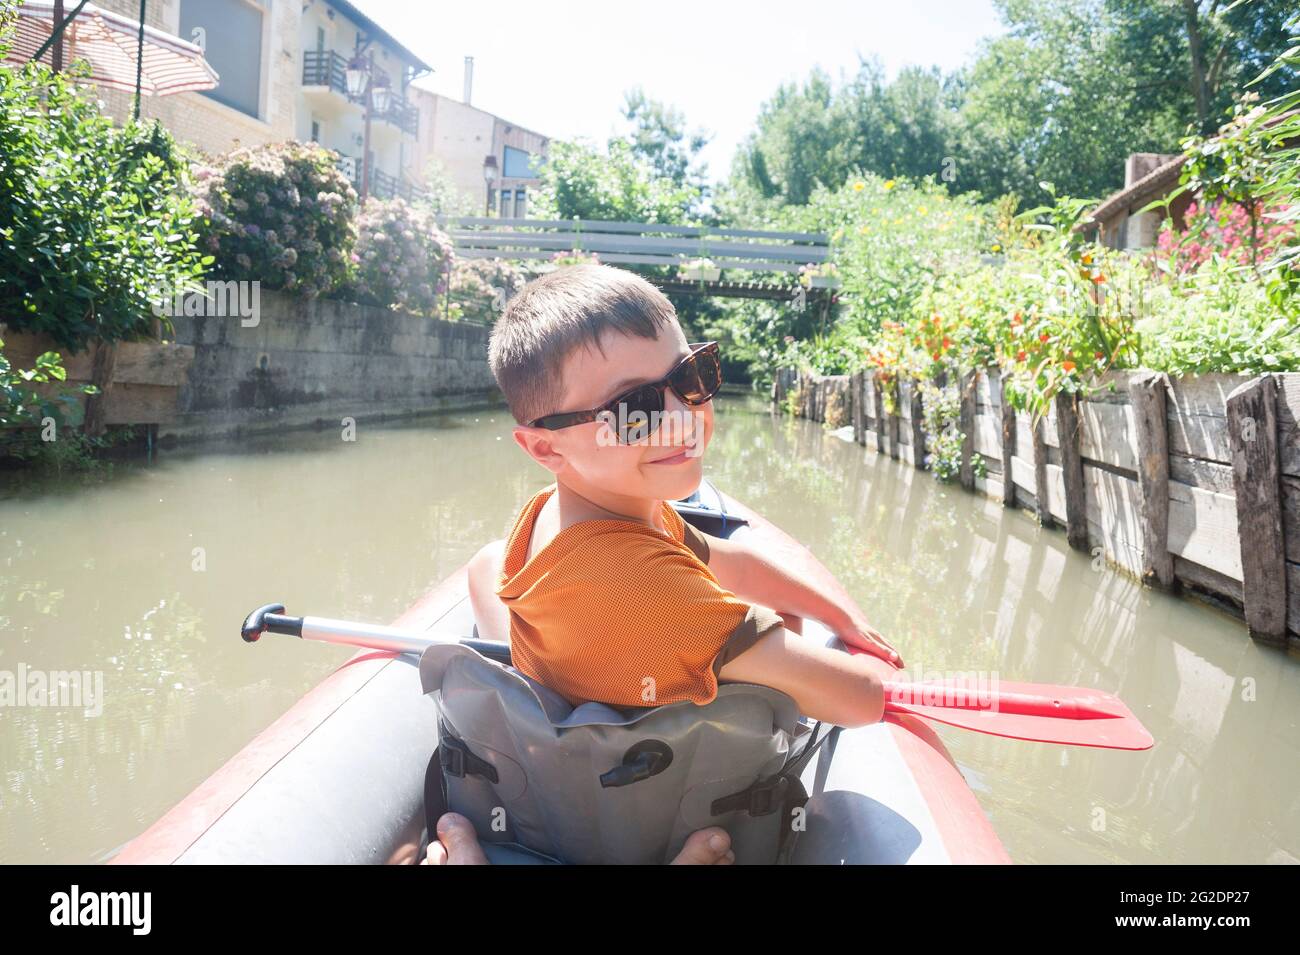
(540, 446)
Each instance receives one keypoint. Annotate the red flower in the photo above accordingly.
(1020, 356)
(1044, 337)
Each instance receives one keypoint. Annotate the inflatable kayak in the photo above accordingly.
(340, 778)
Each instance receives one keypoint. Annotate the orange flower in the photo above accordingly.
(1087, 258)
(1020, 356)
(1098, 278)
(1015, 319)
(1044, 337)
(1067, 366)
(947, 342)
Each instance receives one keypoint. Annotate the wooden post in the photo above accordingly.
(1008, 445)
(1147, 394)
(918, 431)
(856, 410)
(1252, 435)
(966, 421)
(1076, 513)
(101, 376)
(1041, 510)
(878, 397)
(891, 423)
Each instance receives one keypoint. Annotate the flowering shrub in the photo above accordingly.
(401, 257)
(281, 214)
(480, 288)
(574, 257)
(93, 216)
(1224, 228)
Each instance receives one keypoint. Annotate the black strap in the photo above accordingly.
(435, 794)
(458, 761)
(778, 791)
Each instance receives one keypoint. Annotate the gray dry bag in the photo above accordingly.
(596, 784)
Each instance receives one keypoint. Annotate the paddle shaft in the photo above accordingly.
(898, 696)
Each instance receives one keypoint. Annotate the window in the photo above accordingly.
(320, 39)
(518, 164)
(232, 32)
(507, 199)
(521, 203)
(315, 131)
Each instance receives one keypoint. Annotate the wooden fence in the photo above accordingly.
(1186, 482)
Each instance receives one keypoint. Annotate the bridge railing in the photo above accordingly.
(635, 243)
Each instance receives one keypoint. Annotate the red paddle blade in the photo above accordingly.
(1038, 712)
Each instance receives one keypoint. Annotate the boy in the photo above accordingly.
(603, 592)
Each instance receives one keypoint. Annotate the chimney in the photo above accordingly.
(1142, 164)
(469, 77)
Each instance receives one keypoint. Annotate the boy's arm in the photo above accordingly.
(766, 579)
(826, 684)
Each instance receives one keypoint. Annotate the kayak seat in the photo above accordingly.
(545, 781)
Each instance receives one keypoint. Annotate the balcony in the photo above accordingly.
(382, 185)
(328, 69)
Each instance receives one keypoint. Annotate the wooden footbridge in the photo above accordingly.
(753, 263)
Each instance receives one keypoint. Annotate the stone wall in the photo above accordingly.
(309, 362)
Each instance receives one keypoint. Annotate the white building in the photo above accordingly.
(283, 68)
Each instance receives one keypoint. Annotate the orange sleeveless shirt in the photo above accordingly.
(614, 611)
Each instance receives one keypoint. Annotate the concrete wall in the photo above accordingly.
(310, 362)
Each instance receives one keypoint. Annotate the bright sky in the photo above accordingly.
(560, 68)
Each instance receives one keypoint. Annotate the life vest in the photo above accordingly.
(545, 781)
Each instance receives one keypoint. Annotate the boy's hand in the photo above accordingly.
(857, 632)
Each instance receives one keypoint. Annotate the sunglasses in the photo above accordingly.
(695, 379)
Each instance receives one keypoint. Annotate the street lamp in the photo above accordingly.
(375, 96)
(489, 176)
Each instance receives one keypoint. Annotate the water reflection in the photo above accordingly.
(959, 583)
(145, 574)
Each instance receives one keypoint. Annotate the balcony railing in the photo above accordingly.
(329, 69)
(382, 185)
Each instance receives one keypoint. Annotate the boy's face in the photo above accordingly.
(587, 456)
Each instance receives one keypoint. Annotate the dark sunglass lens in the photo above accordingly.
(638, 413)
(699, 378)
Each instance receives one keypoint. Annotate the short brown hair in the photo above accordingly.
(556, 314)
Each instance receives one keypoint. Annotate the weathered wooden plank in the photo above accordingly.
(1114, 504)
(1009, 432)
(1293, 585)
(1108, 434)
(1048, 425)
(1067, 428)
(1291, 520)
(891, 426)
(855, 406)
(1207, 475)
(1288, 422)
(1147, 394)
(966, 421)
(1252, 432)
(916, 414)
(1203, 528)
(988, 434)
(1042, 507)
(871, 392)
(1206, 579)
(1197, 410)
(1056, 498)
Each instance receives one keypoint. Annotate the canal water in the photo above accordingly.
(144, 574)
